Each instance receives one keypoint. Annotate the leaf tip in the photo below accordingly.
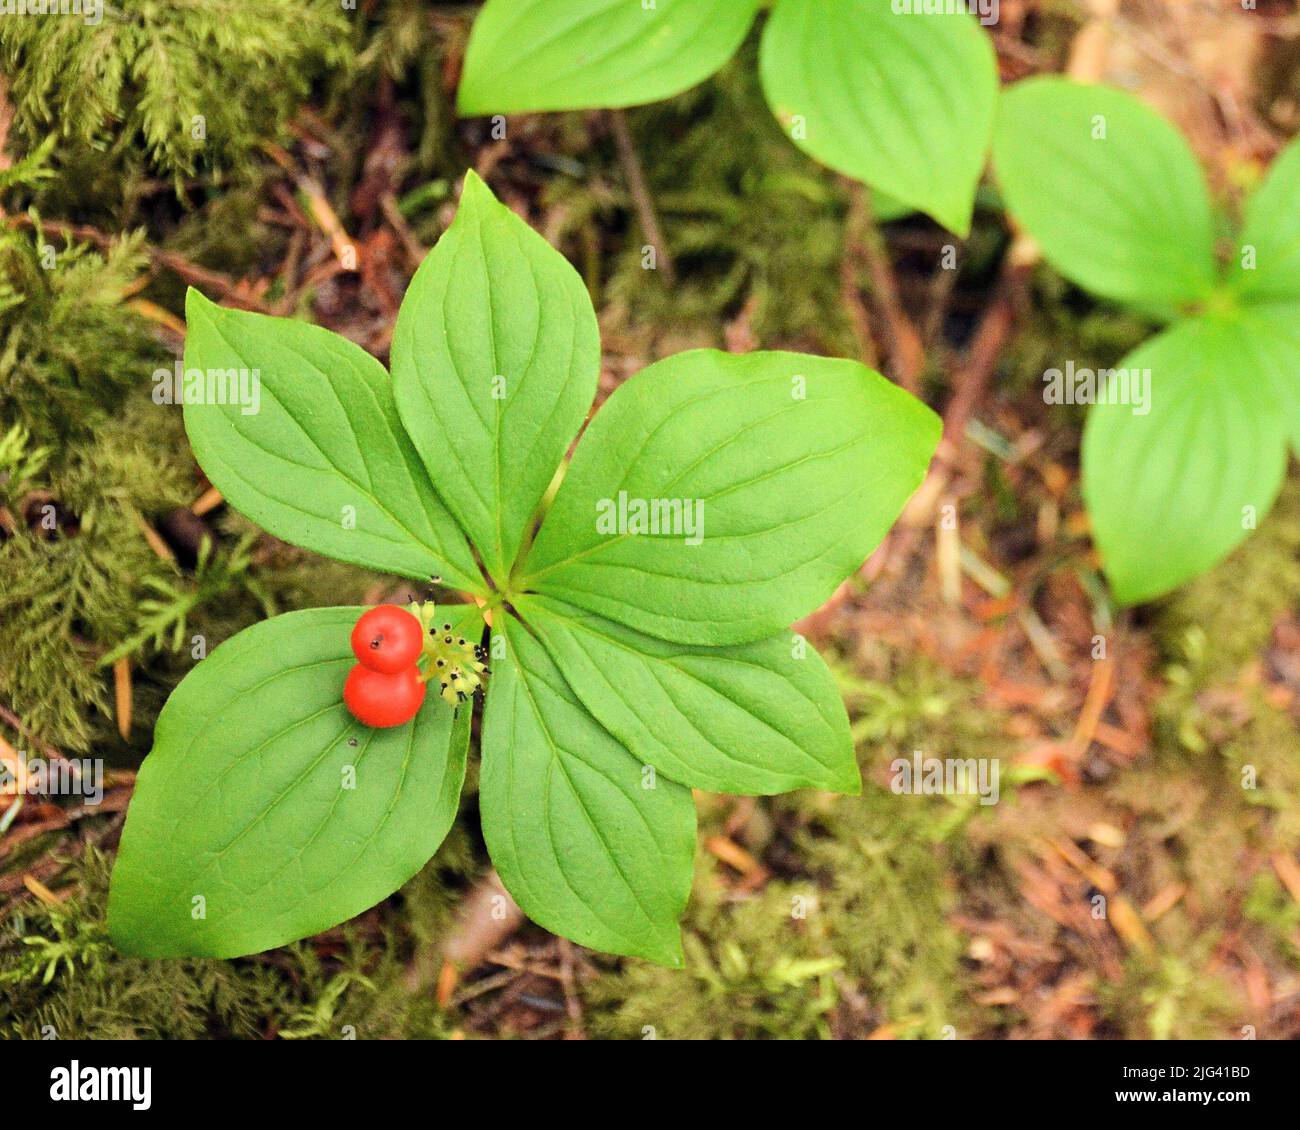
(670, 953)
(466, 106)
(850, 784)
(476, 191)
(952, 209)
(197, 304)
(1127, 591)
(959, 223)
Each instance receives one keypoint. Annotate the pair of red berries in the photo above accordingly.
(385, 688)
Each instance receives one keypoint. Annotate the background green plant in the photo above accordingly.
(1115, 197)
(884, 98)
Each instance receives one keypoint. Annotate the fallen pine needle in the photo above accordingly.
(1120, 741)
(41, 891)
(732, 854)
(1106, 834)
(447, 980)
(983, 574)
(122, 695)
(1094, 704)
(344, 247)
(16, 778)
(209, 500)
(1097, 875)
(1128, 924)
(1043, 643)
(948, 554)
(1163, 901)
(1289, 872)
(161, 549)
(155, 313)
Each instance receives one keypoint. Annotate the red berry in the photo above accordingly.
(380, 700)
(387, 639)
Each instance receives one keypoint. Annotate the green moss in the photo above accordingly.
(1171, 997)
(70, 581)
(860, 942)
(1271, 907)
(59, 971)
(1217, 800)
(1236, 605)
(225, 234)
(69, 352)
(752, 970)
(1245, 743)
(185, 84)
(86, 459)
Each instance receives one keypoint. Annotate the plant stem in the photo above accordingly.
(855, 225)
(634, 175)
(906, 354)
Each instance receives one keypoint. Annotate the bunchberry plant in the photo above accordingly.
(1176, 479)
(882, 90)
(639, 606)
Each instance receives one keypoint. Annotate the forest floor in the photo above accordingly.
(1140, 873)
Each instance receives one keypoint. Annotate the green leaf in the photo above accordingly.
(1271, 332)
(323, 462)
(885, 209)
(902, 102)
(785, 470)
(1108, 188)
(755, 719)
(1172, 492)
(1272, 232)
(582, 54)
(245, 801)
(590, 844)
(496, 355)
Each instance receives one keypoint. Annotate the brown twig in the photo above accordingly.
(210, 280)
(572, 1001)
(122, 696)
(855, 254)
(214, 281)
(970, 381)
(345, 248)
(940, 295)
(414, 249)
(906, 354)
(289, 270)
(18, 726)
(642, 201)
(13, 886)
(972, 378)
